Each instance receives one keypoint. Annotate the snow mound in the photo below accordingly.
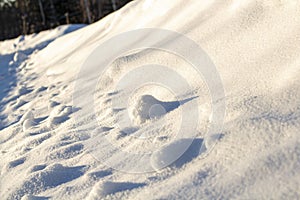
(49, 177)
(27, 116)
(28, 121)
(177, 153)
(28, 124)
(148, 107)
(59, 115)
(105, 188)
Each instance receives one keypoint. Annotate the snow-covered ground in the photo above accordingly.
(72, 129)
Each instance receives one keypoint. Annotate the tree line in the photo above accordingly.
(19, 17)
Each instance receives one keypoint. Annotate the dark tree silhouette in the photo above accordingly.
(31, 16)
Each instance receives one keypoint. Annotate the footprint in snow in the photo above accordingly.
(36, 168)
(52, 104)
(19, 103)
(49, 177)
(58, 115)
(22, 90)
(100, 130)
(28, 121)
(34, 197)
(99, 174)
(15, 163)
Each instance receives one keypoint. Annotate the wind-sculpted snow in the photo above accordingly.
(164, 99)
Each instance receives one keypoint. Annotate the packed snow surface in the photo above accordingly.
(51, 149)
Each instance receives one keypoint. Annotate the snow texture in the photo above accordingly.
(255, 46)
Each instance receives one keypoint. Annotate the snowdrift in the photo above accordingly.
(49, 148)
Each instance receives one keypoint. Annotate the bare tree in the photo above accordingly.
(88, 12)
(42, 13)
(114, 5)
